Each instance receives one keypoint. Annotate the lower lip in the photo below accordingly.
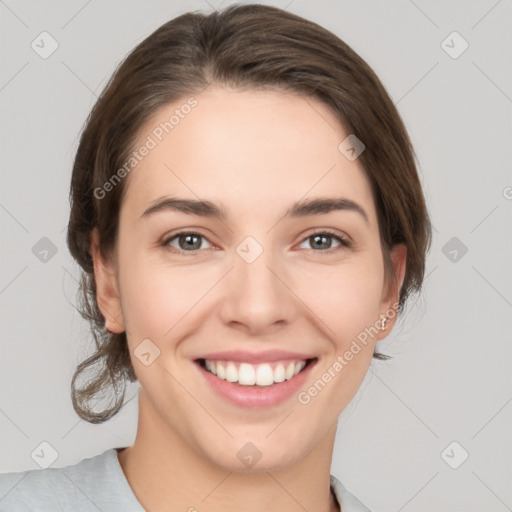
(256, 397)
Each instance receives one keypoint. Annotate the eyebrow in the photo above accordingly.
(303, 208)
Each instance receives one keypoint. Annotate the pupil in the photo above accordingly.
(187, 241)
(322, 239)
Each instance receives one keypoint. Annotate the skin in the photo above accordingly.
(255, 153)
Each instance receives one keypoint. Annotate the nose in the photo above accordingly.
(257, 296)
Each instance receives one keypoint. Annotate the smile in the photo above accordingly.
(247, 374)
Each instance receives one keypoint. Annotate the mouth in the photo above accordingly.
(245, 374)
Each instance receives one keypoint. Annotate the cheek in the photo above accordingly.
(348, 303)
(158, 299)
(346, 297)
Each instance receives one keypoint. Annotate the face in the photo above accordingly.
(255, 285)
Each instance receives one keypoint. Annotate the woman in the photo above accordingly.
(248, 216)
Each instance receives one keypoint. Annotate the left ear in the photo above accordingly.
(391, 292)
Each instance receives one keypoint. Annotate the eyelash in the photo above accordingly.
(344, 242)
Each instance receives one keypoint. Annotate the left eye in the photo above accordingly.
(323, 241)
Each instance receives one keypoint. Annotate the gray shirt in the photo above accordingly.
(96, 484)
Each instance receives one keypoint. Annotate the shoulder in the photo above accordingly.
(349, 503)
(91, 484)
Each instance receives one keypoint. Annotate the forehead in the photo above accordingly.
(251, 151)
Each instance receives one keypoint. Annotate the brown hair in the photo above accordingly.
(242, 46)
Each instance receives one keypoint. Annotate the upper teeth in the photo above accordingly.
(250, 374)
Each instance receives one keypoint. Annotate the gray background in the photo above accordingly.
(450, 378)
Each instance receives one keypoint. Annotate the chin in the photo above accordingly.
(254, 454)
(269, 462)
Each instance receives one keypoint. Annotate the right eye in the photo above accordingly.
(187, 241)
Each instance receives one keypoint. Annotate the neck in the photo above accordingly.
(163, 471)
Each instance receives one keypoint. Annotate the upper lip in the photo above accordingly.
(266, 356)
